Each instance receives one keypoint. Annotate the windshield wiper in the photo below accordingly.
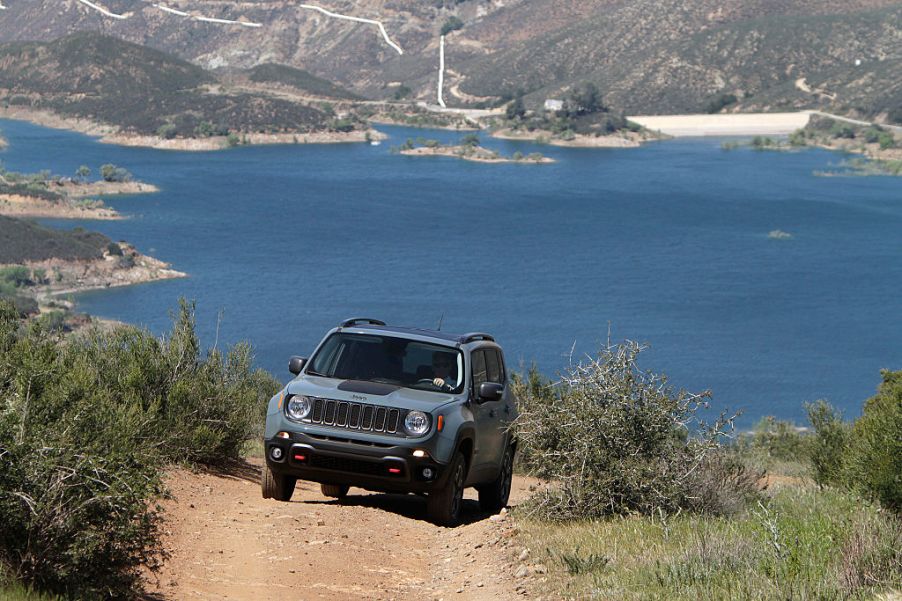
(310, 372)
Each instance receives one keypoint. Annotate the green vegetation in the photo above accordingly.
(28, 184)
(167, 131)
(26, 241)
(645, 503)
(800, 543)
(112, 173)
(763, 142)
(299, 79)
(617, 440)
(452, 24)
(583, 113)
(720, 102)
(171, 100)
(402, 92)
(86, 428)
(415, 116)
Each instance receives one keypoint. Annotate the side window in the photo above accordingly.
(479, 372)
(493, 367)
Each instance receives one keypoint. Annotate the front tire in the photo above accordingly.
(494, 497)
(444, 504)
(277, 486)
(337, 491)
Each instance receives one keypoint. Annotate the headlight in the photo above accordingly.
(416, 423)
(299, 407)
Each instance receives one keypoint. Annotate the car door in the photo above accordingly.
(489, 429)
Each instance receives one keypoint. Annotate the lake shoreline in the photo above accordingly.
(110, 271)
(111, 134)
(577, 141)
(72, 205)
(476, 154)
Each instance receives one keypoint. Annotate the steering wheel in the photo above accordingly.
(426, 381)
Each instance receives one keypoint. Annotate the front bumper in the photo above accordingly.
(333, 460)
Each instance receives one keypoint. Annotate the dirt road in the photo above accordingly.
(227, 542)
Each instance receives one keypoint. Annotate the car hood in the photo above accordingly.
(370, 393)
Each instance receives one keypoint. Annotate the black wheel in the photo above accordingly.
(493, 497)
(444, 504)
(339, 491)
(277, 486)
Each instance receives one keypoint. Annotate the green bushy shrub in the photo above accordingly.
(874, 464)
(615, 439)
(779, 439)
(86, 427)
(828, 444)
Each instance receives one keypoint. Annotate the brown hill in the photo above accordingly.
(647, 56)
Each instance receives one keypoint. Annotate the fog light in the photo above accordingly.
(428, 473)
(419, 453)
(276, 453)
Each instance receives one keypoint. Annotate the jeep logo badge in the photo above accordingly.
(358, 397)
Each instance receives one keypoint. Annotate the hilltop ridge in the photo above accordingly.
(646, 56)
(138, 90)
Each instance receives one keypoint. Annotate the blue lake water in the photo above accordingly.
(666, 244)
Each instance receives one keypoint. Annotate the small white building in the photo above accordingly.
(554, 105)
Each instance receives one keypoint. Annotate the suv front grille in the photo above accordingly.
(342, 464)
(355, 416)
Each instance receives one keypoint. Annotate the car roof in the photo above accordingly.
(421, 333)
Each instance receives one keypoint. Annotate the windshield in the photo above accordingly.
(389, 360)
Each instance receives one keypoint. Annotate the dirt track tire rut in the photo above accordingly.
(228, 543)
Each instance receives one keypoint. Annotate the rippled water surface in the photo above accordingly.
(666, 244)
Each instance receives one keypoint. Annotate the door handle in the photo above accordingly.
(491, 413)
(507, 409)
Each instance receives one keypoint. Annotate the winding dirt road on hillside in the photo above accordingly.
(227, 542)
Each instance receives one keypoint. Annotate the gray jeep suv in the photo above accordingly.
(395, 410)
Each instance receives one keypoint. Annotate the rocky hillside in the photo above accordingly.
(647, 56)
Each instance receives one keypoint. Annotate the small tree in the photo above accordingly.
(167, 131)
(83, 173)
(402, 91)
(516, 108)
(830, 443)
(452, 24)
(886, 140)
(584, 99)
(111, 173)
(471, 140)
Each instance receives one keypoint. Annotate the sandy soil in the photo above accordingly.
(221, 142)
(227, 542)
(102, 188)
(15, 205)
(578, 141)
(478, 155)
(744, 124)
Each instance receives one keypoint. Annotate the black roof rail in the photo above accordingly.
(474, 336)
(359, 320)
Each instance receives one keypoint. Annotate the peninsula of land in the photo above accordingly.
(43, 195)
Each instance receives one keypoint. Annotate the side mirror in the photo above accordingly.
(489, 391)
(296, 364)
